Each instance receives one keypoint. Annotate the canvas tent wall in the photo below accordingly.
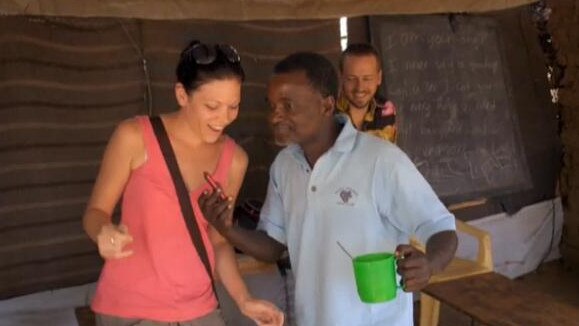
(247, 9)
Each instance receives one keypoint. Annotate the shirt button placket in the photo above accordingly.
(313, 188)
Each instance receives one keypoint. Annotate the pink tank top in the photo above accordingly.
(164, 279)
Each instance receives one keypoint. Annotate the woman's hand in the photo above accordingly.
(112, 239)
(262, 312)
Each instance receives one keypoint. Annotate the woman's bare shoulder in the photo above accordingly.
(240, 156)
(128, 137)
(129, 128)
(239, 162)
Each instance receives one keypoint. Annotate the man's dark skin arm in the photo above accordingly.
(416, 267)
(255, 243)
(218, 212)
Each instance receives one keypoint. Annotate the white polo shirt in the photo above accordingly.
(363, 192)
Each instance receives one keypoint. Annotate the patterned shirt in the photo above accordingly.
(379, 120)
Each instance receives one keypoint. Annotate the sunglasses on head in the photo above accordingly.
(204, 54)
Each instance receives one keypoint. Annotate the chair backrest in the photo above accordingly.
(485, 249)
(485, 252)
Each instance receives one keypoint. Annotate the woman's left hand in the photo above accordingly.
(262, 312)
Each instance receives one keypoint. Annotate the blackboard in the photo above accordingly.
(455, 116)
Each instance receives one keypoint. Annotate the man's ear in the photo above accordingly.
(329, 105)
(379, 77)
(181, 95)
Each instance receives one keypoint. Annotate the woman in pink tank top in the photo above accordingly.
(153, 274)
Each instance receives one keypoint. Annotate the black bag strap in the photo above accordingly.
(182, 194)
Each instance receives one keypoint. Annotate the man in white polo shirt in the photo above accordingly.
(333, 183)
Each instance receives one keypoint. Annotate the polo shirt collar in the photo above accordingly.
(345, 141)
(347, 137)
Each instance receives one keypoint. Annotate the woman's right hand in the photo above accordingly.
(112, 239)
(262, 312)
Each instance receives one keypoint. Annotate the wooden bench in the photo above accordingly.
(494, 300)
(84, 316)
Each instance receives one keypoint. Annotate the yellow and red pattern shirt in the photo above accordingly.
(380, 120)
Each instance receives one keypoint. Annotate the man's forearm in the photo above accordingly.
(440, 250)
(255, 243)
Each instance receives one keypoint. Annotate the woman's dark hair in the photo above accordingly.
(201, 63)
(318, 69)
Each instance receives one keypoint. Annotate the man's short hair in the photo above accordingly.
(359, 50)
(319, 71)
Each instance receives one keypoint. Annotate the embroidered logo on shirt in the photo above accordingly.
(347, 196)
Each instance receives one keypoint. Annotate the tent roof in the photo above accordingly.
(247, 9)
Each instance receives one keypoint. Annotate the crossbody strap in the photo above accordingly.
(182, 194)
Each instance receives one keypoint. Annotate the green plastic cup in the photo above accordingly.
(376, 277)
